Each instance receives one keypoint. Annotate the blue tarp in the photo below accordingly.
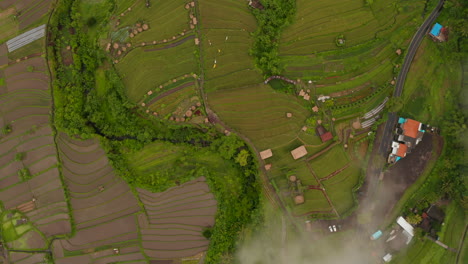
(435, 31)
(398, 158)
(376, 235)
(401, 120)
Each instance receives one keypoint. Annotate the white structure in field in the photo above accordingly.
(26, 38)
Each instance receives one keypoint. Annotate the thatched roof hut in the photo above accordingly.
(288, 115)
(299, 199)
(268, 166)
(315, 109)
(292, 178)
(266, 154)
(299, 152)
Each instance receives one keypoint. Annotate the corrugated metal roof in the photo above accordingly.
(405, 225)
(435, 31)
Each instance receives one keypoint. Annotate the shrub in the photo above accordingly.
(20, 156)
(24, 174)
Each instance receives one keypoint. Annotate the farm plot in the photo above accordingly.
(27, 258)
(340, 188)
(176, 219)
(19, 15)
(30, 180)
(103, 205)
(155, 68)
(329, 162)
(367, 30)
(165, 20)
(260, 114)
(225, 27)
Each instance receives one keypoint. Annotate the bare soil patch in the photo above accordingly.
(28, 75)
(28, 18)
(43, 164)
(86, 179)
(37, 63)
(27, 84)
(85, 168)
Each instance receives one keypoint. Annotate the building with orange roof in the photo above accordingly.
(409, 133)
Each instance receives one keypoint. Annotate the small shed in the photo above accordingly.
(268, 167)
(299, 152)
(266, 154)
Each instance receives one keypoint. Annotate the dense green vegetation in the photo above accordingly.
(271, 21)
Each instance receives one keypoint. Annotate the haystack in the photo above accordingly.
(115, 46)
(288, 115)
(266, 154)
(304, 128)
(188, 113)
(140, 29)
(150, 92)
(187, 6)
(175, 80)
(147, 111)
(315, 109)
(392, 82)
(198, 103)
(192, 26)
(292, 178)
(197, 41)
(194, 20)
(124, 48)
(299, 152)
(154, 42)
(129, 45)
(307, 97)
(182, 119)
(192, 4)
(301, 93)
(132, 35)
(135, 32)
(299, 199)
(193, 107)
(207, 120)
(155, 113)
(143, 104)
(268, 167)
(138, 25)
(398, 52)
(68, 47)
(143, 44)
(119, 52)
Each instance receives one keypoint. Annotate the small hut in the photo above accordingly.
(299, 199)
(299, 152)
(268, 166)
(266, 154)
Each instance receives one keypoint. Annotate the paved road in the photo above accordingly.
(413, 47)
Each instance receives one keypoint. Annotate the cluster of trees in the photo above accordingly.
(271, 20)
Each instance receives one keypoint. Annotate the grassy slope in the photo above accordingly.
(181, 163)
(428, 83)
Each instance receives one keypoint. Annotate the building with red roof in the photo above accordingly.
(409, 133)
(323, 133)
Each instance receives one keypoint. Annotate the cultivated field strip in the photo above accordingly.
(260, 115)
(26, 38)
(128, 253)
(26, 258)
(174, 220)
(226, 42)
(103, 204)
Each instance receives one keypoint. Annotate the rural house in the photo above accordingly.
(266, 154)
(438, 33)
(323, 133)
(299, 152)
(408, 134)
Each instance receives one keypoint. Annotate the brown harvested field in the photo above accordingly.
(36, 75)
(3, 55)
(123, 229)
(22, 128)
(28, 17)
(24, 112)
(131, 253)
(8, 180)
(26, 258)
(38, 64)
(104, 205)
(175, 220)
(27, 84)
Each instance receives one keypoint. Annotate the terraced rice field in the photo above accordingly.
(25, 105)
(335, 154)
(26, 258)
(28, 13)
(226, 27)
(308, 50)
(340, 188)
(259, 113)
(175, 220)
(155, 67)
(165, 20)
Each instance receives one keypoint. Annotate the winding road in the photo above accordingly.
(400, 82)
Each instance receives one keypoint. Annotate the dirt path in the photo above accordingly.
(166, 93)
(460, 246)
(172, 45)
